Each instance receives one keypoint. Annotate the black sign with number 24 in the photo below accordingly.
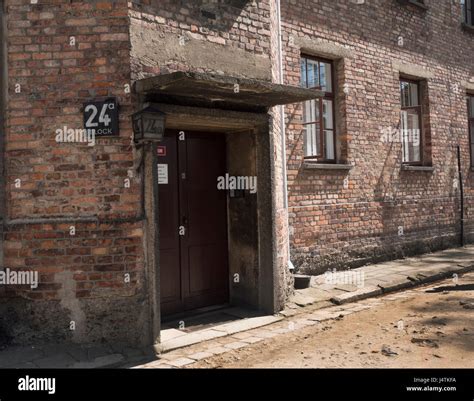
(102, 117)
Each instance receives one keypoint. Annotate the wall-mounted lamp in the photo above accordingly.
(148, 125)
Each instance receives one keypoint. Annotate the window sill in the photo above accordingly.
(467, 27)
(406, 167)
(414, 3)
(326, 166)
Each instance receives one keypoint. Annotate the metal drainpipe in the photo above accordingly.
(461, 194)
(283, 132)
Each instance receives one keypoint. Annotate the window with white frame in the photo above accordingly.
(318, 115)
(410, 122)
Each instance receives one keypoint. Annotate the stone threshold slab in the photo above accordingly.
(223, 330)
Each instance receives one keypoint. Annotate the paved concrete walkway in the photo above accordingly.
(339, 287)
(307, 307)
(333, 296)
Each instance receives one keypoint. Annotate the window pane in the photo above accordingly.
(303, 73)
(328, 119)
(411, 136)
(311, 111)
(414, 94)
(404, 93)
(403, 125)
(326, 77)
(307, 115)
(312, 140)
(409, 94)
(313, 73)
(471, 107)
(329, 138)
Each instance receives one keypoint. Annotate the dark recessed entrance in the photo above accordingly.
(193, 221)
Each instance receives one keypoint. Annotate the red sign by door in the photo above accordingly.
(161, 150)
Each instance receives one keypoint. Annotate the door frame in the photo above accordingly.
(270, 286)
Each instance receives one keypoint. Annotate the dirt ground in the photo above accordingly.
(432, 328)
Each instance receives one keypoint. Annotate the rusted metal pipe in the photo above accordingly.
(461, 194)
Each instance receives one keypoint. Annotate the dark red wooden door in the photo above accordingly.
(193, 222)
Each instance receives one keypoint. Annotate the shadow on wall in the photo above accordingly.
(399, 204)
(391, 191)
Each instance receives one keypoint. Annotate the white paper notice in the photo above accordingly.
(162, 174)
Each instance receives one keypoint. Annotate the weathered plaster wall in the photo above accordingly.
(242, 220)
(230, 38)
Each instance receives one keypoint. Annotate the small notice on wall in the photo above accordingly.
(162, 174)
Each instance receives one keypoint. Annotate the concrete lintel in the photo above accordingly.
(414, 3)
(468, 85)
(412, 70)
(318, 47)
(201, 118)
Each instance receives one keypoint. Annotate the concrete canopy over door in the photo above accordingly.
(234, 107)
(221, 91)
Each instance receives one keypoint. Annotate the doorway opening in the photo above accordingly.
(194, 265)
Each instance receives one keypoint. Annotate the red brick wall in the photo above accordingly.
(98, 256)
(71, 184)
(64, 185)
(336, 225)
(56, 78)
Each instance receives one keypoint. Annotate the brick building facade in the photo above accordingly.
(375, 206)
(92, 221)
